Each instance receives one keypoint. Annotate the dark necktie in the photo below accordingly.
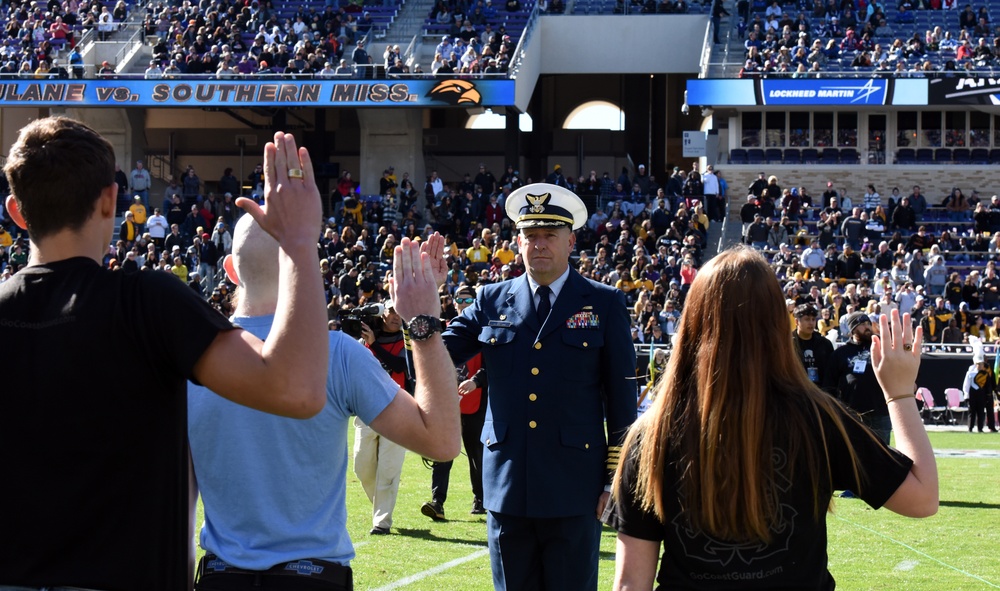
(544, 305)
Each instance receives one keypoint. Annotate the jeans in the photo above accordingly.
(880, 425)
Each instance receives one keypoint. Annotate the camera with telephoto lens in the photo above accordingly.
(351, 319)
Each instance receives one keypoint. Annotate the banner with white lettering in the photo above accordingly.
(456, 92)
(964, 90)
(839, 91)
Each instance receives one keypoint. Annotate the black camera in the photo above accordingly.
(351, 319)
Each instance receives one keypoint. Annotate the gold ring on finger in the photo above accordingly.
(296, 173)
(907, 347)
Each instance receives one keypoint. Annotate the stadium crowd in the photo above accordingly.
(934, 258)
(900, 40)
(225, 38)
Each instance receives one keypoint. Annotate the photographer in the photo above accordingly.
(378, 462)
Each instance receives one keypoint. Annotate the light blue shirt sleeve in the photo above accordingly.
(369, 389)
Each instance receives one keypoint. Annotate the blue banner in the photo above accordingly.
(273, 92)
(721, 93)
(841, 91)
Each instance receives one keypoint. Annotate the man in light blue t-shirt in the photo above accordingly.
(273, 488)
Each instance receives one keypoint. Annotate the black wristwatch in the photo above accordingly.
(424, 326)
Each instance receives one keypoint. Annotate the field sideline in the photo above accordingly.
(954, 550)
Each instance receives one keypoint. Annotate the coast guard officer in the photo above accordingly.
(559, 355)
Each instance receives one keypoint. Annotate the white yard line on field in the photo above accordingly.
(433, 571)
(924, 554)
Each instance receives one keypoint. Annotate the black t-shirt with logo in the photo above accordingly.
(815, 355)
(93, 427)
(797, 556)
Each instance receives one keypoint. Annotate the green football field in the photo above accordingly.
(957, 549)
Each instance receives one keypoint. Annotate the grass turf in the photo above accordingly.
(954, 550)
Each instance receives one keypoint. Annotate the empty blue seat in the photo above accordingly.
(849, 156)
(756, 156)
(773, 155)
(906, 156)
(810, 156)
(995, 156)
(925, 156)
(980, 156)
(830, 156)
(961, 156)
(793, 156)
(737, 156)
(942, 156)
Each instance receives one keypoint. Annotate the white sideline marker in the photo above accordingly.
(907, 565)
(433, 571)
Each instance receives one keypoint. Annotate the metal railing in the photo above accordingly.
(136, 38)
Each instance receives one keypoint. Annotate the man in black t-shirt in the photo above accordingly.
(103, 501)
(814, 350)
(852, 377)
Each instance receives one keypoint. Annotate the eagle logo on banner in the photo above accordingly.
(456, 92)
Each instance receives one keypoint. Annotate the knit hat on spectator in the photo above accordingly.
(544, 204)
(856, 319)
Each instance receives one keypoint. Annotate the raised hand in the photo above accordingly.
(413, 287)
(434, 246)
(292, 209)
(896, 354)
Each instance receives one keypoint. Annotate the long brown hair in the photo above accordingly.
(734, 389)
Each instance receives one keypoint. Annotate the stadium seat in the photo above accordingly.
(793, 156)
(755, 156)
(955, 403)
(905, 156)
(931, 410)
(849, 156)
(810, 156)
(942, 156)
(925, 156)
(773, 155)
(830, 156)
(961, 156)
(980, 156)
(995, 156)
(737, 156)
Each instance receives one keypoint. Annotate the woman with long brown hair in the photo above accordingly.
(736, 462)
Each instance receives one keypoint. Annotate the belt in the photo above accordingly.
(313, 569)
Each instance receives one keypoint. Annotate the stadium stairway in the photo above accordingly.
(409, 23)
(725, 236)
(727, 57)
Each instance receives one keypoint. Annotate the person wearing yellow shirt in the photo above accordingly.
(641, 280)
(180, 270)
(5, 238)
(479, 255)
(138, 215)
(504, 253)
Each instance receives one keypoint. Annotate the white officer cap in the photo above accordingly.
(544, 204)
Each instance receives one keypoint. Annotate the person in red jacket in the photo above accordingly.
(472, 402)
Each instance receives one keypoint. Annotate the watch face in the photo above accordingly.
(419, 327)
(423, 326)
